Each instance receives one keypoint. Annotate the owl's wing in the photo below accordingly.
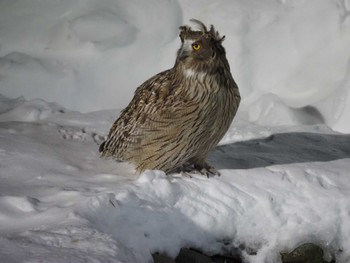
(155, 118)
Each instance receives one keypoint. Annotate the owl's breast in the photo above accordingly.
(217, 99)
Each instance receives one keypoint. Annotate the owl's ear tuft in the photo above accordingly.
(201, 25)
(184, 30)
(220, 40)
(212, 33)
(215, 35)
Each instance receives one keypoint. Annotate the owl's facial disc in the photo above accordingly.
(186, 49)
(198, 49)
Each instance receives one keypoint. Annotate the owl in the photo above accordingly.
(177, 116)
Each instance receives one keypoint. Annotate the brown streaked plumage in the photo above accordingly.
(177, 116)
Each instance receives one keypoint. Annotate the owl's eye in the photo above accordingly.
(196, 47)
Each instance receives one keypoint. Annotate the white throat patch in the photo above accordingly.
(190, 73)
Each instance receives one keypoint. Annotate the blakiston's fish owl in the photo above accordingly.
(179, 115)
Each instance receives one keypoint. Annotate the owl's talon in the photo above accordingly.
(210, 171)
(186, 174)
(188, 170)
(205, 169)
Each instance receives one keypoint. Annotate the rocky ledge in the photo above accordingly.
(306, 253)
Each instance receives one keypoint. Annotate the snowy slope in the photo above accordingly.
(286, 56)
(284, 163)
(60, 202)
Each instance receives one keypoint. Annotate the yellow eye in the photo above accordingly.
(196, 47)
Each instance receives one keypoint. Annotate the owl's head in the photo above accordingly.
(200, 47)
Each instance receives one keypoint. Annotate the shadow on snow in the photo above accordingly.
(284, 148)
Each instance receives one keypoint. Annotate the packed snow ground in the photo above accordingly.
(284, 171)
(60, 202)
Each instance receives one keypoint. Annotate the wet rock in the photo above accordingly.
(159, 258)
(225, 259)
(192, 256)
(306, 253)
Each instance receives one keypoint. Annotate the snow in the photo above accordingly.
(60, 202)
(284, 162)
(289, 54)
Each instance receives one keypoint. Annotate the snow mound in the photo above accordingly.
(59, 245)
(260, 211)
(286, 56)
(105, 27)
(33, 110)
(284, 170)
(60, 202)
(283, 60)
(75, 54)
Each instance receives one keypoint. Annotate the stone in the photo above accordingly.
(159, 258)
(191, 256)
(225, 259)
(306, 253)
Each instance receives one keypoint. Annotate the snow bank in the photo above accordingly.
(287, 56)
(33, 110)
(260, 211)
(60, 202)
(85, 56)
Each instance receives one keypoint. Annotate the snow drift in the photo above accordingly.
(284, 169)
(60, 202)
(287, 56)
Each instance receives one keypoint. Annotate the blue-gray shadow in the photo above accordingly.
(283, 148)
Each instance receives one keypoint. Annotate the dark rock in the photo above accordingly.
(225, 259)
(159, 258)
(306, 253)
(191, 256)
